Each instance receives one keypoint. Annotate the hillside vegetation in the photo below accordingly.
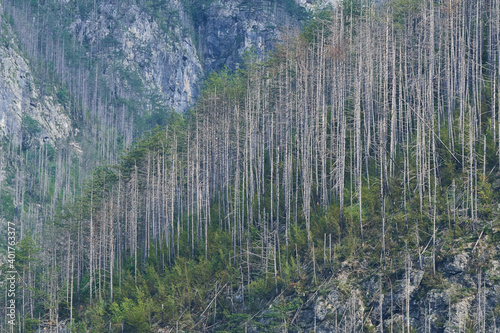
(347, 183)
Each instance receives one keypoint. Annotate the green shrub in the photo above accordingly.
(261, 289)
(29, 126)
(31, 325)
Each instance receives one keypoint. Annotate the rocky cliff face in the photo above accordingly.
(227, 29)
(25, 114)
(110, 70)
(154, 45)
(463, 294)
(171, 45)
(126, 60)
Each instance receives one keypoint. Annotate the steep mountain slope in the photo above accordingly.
(25, 114)
(347, 183)
(35, 128)
(152, 42)
(119, 67)
(168, 45)
(227, 29)
(80, 80)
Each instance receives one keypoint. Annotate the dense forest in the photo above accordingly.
(361, 155)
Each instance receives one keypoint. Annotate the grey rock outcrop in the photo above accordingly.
(457, 264)
(228, 28)
(173, 46)
(25, 114)
(143, 52)
(448, 301)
